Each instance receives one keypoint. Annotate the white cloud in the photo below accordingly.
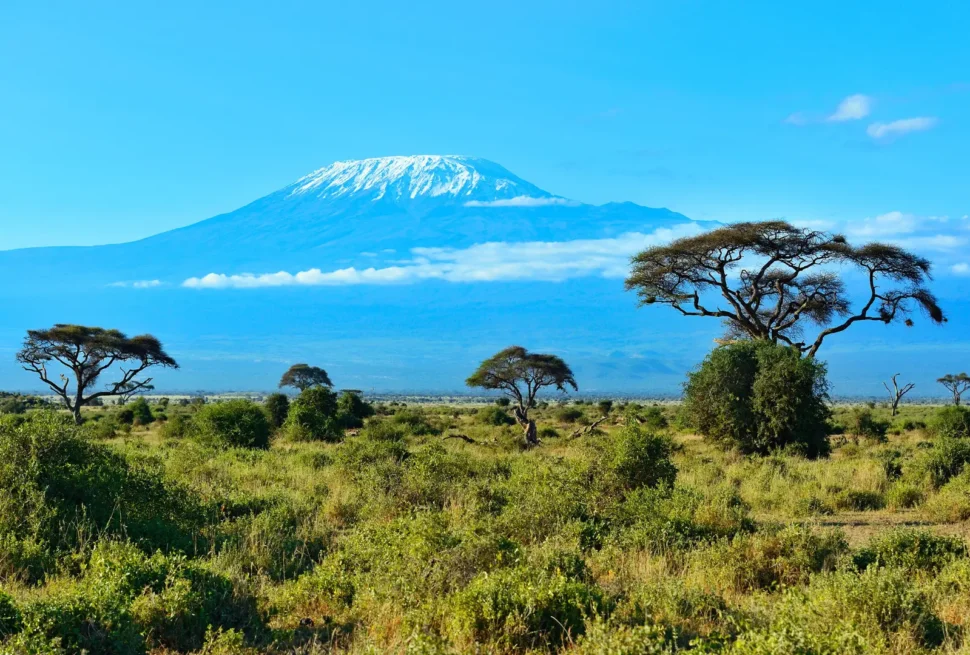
(138, 284)
(485, 262)
(521, 201)
(900, 127)
(963, 268)
(798, 118)
(852, 108)
(890, 223)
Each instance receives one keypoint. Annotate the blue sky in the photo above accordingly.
(121, 120)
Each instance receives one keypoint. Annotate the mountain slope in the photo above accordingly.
(343, 215)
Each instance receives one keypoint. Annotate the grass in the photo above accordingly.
(399, 539)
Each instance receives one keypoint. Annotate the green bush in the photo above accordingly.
(277, 406)
(415, 422)
(493, 415)
(915, 550)
(569, 414)
(757, 397)
(59, 488)
(141, 412)
(522, 608)
(313, 416)
(640, 458)
(352, 410)
(951, 422)
(604, 639)
(11, 620)
(863, 424)
(232, 424)
(180, 426)
(946, 459)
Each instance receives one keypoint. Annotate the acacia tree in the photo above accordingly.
(896, 393)
(956, 385)
(87, 352)
(304, 376)
(520, 375)
(775, 280)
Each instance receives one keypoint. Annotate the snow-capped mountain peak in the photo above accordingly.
(417, 176)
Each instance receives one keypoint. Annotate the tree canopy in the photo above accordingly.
(957, 384)
(87, 352)
(304, 376)
(520, 375)
(778, 280)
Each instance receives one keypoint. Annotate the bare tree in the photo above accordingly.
(521, 374)
(778, 279)
(896, 393)
(87, 352)
(956, 385)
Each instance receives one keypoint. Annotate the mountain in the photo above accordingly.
(402, 273)
(341, 216)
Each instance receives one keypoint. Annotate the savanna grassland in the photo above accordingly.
(150, 533)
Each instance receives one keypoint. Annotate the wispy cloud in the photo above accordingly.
(852, 108)
(903, 126)
(138, 284)
(521, 201)
(486, 262)
(963, 268)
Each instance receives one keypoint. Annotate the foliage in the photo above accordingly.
(951, 422)
(493, 415)
(639, 458)
(59, 487)
(313, 416)
(757, 397)
(352, 410)
(784, 281)
(304, 376)
(141, 412)
(88, 352)
(864, 424)
(957, 384)
(235, 423)
(277, 406)
(915, 550)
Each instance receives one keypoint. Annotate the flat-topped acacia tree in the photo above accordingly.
(87, 352)
(520, 375)
(957, 384)
(304, 376)
(772, 281)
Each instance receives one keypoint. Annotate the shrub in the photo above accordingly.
(125, 416)
(352, 410)
(604, 407)
(503, 402)
(758, 397)
(415, 422)
(522, 608)
(946, 459)
(915, 550)
(603, 639)
(640, 458)
(141, 412)
(569, 414)
(11, 621)
(904, 495)
(863, 424)
(60, 487)
(313, 416)
(494, 415)
(952, 422)
(277, 406)
(179, 427)
(232, 424)
(952, 503)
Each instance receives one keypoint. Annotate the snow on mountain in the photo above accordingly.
(411, 177)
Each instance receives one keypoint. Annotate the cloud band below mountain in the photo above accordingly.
(485, 262)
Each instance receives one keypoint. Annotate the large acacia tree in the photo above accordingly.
(520, 375)
(87, 353)
(776, 282)
(957, 385)
(304, 376)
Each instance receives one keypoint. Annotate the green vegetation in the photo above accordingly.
(635, 538)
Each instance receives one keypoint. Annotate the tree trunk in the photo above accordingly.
(77, 413)
(531, 434)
